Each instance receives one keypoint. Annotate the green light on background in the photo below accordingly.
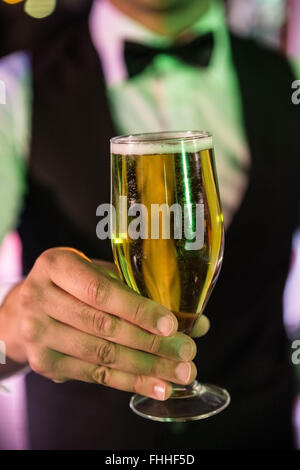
(39, 8)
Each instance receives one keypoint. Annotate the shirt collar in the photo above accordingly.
(109, 28)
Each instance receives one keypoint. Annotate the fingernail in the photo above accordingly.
(160, 391)
(183, 371)
(165, 324)
(186, 351)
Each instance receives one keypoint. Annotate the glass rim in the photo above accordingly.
(166, 137)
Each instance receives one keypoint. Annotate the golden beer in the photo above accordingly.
(169, 193)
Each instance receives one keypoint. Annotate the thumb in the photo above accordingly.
(201, 327)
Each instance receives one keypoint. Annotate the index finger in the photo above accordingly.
(73, 272)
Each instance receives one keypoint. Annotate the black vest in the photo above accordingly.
(246, 349)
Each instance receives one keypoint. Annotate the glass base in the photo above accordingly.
(187, 403)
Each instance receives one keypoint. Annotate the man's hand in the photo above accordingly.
(75, 321)
(201, 326)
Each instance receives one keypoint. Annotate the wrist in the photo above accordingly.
(9, 326)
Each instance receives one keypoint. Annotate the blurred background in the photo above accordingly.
(25, 22)
(25, 25)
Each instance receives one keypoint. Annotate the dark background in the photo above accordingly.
(19, 31)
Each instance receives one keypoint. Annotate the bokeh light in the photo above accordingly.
(39, 8)
(12, 1)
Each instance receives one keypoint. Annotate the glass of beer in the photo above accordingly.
(167, 238)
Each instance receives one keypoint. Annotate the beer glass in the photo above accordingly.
(167, 238)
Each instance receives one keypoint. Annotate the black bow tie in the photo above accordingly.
(198, 53)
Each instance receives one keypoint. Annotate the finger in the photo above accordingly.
(201, 327)
(69, 368)
(110, 268)
(67, 309)
(86, 281)
(71, 342)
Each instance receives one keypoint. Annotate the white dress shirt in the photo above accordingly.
(171, 95)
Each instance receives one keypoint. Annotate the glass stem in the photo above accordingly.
(181, 391)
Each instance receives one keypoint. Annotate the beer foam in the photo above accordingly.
(189, 144)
